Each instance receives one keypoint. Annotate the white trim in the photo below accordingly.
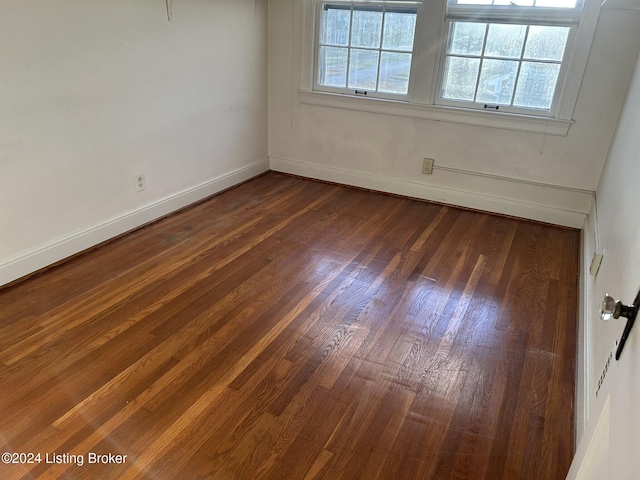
(585, 391)
(546, 203)
(578, 56)
(74, 243)
(509, 121)
(592, 458)
(583, 370)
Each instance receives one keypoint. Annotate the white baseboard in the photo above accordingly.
(591, 460)
(535, 201)
(72, 244)
(519, 198)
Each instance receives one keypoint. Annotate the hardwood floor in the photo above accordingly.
(290, 329)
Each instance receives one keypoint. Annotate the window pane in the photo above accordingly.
(399, 30)
(367, 27)
(497, 80)
(332, 67)
(363, 69)
(536, 85)
(334, 28)
(467, 38)
(505, 40)
(394, 72)
(546, 43)
(460, 78)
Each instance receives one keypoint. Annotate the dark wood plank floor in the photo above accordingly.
(290, 329)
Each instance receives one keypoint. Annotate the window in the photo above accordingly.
(365, 49)
(456, 59)
(512, 60)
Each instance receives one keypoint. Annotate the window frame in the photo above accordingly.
(386, 6)
(421, 99)
(506, 15)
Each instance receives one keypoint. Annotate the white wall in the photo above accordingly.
(93, 92)
(386, 152)
(610, 441)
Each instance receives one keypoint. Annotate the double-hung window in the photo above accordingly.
(453, 56)
(365, 48)
(507, 55)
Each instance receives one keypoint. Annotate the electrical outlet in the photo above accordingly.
(596, 261)
(427, 166)
(140, 182)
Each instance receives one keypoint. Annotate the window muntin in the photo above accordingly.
(365, 48)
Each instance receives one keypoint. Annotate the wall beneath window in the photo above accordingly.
(94, 92)
(520, 171)
(619, 226)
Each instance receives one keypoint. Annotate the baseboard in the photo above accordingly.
(534, 201)
(553, 204)
(592, 457)
(72, 244)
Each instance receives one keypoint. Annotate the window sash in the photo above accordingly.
(521, 59)
(514, 14)
(525, 15)
(389, 6)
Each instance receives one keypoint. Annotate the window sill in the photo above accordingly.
(509, 121)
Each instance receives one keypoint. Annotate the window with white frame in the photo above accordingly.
(365, 48)
(504, 54)
(511, 56)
